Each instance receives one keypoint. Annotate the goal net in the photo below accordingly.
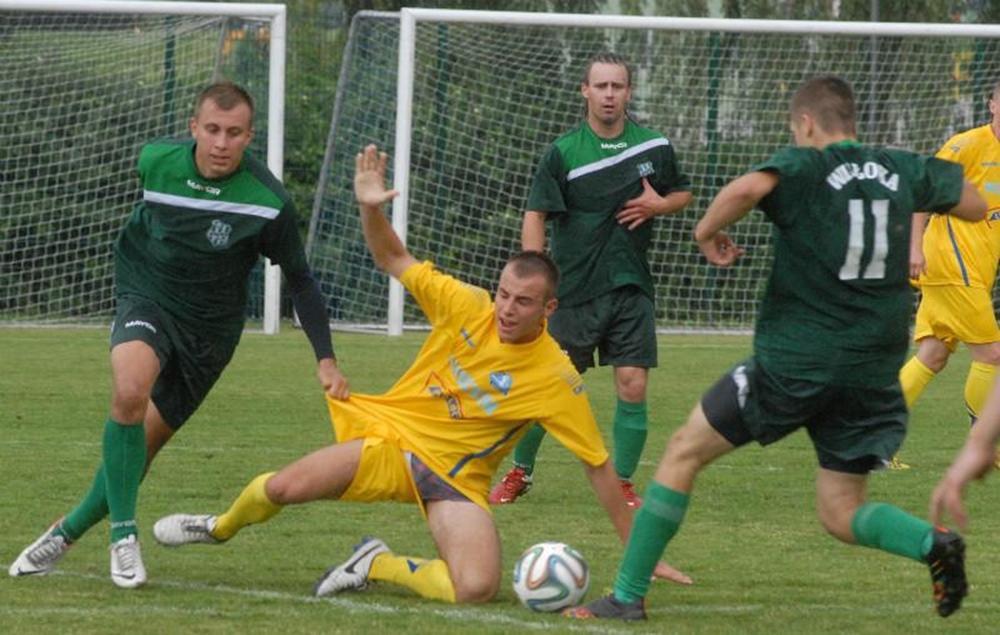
(489, 93)
(84, 85)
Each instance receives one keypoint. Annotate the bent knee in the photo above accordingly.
(476, 590)
(282, 490)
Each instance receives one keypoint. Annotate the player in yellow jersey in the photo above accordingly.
(487, 371)
(955, 264)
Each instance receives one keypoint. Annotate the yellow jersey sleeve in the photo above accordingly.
(442, 298)
(571, 421)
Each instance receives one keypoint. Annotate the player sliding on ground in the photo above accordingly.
(487, 371)
(829, 340)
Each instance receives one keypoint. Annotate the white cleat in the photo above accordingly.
(127, 570)
(41, 556)
(352, 574)
(185, 529)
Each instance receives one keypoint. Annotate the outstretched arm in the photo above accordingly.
(974, 461)
(729, 205)
(606, 485)
(388, 251)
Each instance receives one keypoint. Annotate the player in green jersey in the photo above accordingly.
(830, 337)
(599, 186)
(207, 214)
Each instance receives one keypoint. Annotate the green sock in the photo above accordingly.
(527, 448)
(88, 512)
(882, 526)
(629, 435)
(124, 461)
(655, 524)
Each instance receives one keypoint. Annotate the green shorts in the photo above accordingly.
(190, 360)
(620, 324)
(854, 430)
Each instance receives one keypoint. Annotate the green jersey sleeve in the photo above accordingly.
(788, 163)
(548, 185)
(280, 241)
(939, 184)
(669, 176)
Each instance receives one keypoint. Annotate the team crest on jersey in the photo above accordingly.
(502, 382)
(218, 233)
(645, 168)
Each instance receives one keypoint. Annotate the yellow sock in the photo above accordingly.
(429, 578)
(914, 377)
(251, 506)
(978, 384)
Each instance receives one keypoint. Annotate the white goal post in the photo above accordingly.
(65, 23)
(466, 102)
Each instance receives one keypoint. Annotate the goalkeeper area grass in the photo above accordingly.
(760, 561)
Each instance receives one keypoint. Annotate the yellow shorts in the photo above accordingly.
(383, 475)
(956, 314)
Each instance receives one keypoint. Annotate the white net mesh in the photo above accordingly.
(488, 99)
(80, 95)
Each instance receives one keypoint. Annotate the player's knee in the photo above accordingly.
(281, 490)
(631, 387)
(475, 588)
(990, 355)
(836, 521)
(129, 401)
(934, 357)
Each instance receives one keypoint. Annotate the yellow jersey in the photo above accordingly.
(959, 252)
(468, 397)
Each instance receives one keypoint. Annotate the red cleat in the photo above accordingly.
(628, 491)
(516, 483)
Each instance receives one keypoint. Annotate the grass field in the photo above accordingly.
(760, 561)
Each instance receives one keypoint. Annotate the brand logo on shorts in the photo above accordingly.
(502, 382)
(218, 233)
(742, 385)
(140, 323)
(645, 168)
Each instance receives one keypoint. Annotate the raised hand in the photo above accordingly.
(369, 178)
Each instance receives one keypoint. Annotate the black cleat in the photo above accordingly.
(608, 608)
(946, 561)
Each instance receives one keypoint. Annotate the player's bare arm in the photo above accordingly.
(918, 264)
(387, 250)
(732, 203)
(606, 485)
(533, 231)
(972, 206)
(650, 204)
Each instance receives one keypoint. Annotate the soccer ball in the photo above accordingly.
(551, 576)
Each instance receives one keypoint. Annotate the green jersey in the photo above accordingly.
(191, 242)
(838, 302)
(581, 182)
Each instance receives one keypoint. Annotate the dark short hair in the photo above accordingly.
(830, 100)
(536, 263)
(227, 95)
(606, 57)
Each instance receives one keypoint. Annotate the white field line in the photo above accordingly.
(456, 614)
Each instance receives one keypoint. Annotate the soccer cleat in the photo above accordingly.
(353, 573)
(184, 529)
(127, 570)
(608, 607)
(896, 464)
(628, 491)
(41, 556)
(516, 483)
(947, 564)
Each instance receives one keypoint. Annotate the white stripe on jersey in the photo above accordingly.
(269, 213)
(618, 158)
